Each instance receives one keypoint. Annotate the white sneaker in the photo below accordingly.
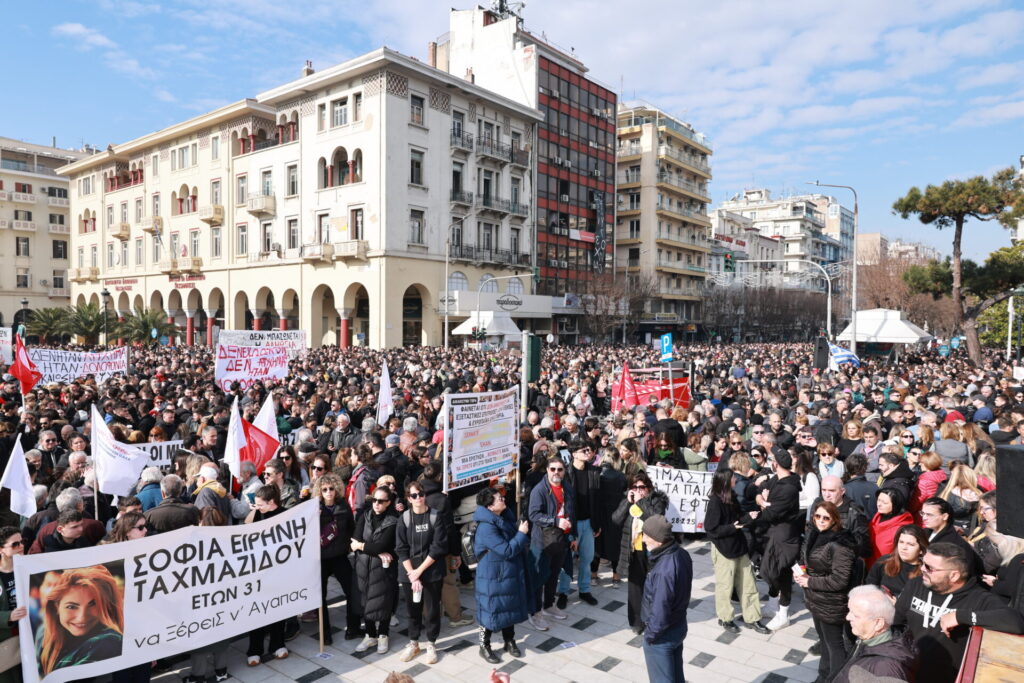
(780, 620)
(537, 622)
(409, 651)
(383, 645)
(554, 613)
(281, 653)
(394, 620)
(431, 653)
(367, 643)
(771, 608)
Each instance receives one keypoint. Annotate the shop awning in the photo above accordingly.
(494, 323)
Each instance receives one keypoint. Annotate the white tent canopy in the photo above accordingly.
(494, 324)
(885, 326)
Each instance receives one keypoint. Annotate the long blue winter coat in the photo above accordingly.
(501, 594)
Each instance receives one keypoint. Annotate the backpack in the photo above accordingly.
(469, 556)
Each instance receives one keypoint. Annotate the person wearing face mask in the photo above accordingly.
(665, 452)
(552, 511)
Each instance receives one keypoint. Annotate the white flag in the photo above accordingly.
(118, 465)
(266, 419)
(18, 481)
(235, 442)
(385, 404)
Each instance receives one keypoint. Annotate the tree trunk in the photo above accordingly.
(958, 298)
(970, 328)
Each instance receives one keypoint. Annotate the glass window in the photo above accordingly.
(124, 254)
(138, 210)
(138, 251)
(215, 246)
(156, 205)
(416, 167)
(215, 148)
(243, 240)
(154, 165)
(356, 223)
(193, 243)
(267, 183)
(339, 112)
(416, 226)
(215, 192)
(458, 282)
(241, 189)
(293, 233)
(357, 106)
(416, 106)
(22, 246)
(293, 180)
(266, 237)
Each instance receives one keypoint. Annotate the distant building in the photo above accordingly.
(733, 233)
(872, 247)
(913, 251)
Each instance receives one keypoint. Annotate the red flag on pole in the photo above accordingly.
(23, 368)
(259, 448)
(624, 393)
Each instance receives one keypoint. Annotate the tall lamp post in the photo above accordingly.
(106, 297)
(853, 257)
(447, 285)
(24, 318)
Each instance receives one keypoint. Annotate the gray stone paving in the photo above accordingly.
(594, 645)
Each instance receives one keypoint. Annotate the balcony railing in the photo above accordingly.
(84, 274)
(462, 197)
(213, 214)
(4, 195)
(683, 239)
(168, 266)
(59, 229)
(15, 165)
(679, 291)
(23, 197)
(520, 209)
(493, 203)
(521, 157)
(190, 264)
(261, 204)
(59, 202)
(494, 148)
(121, 231)
(4, 224)
(58, 292)
(628, 150)
(682, 157)
(689, 213)
(151, 224)
(681, 265)
(629, 177)
(466, 252)
(24, 226)
(683, 183)
(316, 251)
(351, 249)
(462, 140)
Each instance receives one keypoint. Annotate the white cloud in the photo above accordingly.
(986, 116)
(87, 38)
(113, 56)
(164, 95)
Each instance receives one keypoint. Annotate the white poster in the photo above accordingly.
(6, 346)
(161, 453)
(687, 496)
(293, 340)
(156, 597)
(481, 436)
(247, 364)
(67, 366)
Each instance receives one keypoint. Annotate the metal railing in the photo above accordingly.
(494, 148)
(466, 252)
(15, 165)
(683, 183)
(495, 203)
(682, 265)
(462, 197)
(630, 177)
(462, 140)
(684, 158)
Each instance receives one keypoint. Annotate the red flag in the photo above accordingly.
(23, 368)
(259, 448)
(624, 393)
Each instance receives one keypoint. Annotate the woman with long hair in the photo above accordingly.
(890, 516)
(336, 525)
(951, 447)
(83, 619)
(642, 501)
(925, 437)
(665, 453)
(892, 572)
(828, 554)
(963, 494)
(376, 567)
(981, 537)
(11, 545)
(928, 482)
(632, 461)
(294, 471)
(853, 436)
(985, 469)
(128, 527)
(730, 556)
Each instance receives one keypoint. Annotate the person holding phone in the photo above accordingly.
(642, 502)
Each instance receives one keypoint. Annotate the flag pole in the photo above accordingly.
(320, 616)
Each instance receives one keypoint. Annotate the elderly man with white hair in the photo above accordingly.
(879, 654)
(149, 488)
(251, 483)
(210, 492)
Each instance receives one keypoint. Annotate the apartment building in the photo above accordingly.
(34, 228)
(799, 226)
(734, 234)
(355, 203)
(575, 145)
(913, 252)
(872, 247)
(662, 224)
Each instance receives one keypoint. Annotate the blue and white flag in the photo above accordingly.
(838, 355)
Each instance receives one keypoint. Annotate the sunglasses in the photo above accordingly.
(925, 567)
(286, 457)
(639, 487)
(908, 436)
(140, 527)
(556, 469)
(416, 496)
(15, 544)
(318, 469)
(381, 501)
(824, 518)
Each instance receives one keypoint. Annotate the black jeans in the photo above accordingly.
(781, 586)
(341, 569)
(833, 650)
(428, 610)
(635, 585)
(508, 634)
(256, 636)
(378, 628)
(551, 559)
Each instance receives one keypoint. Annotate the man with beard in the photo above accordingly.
(553, 514)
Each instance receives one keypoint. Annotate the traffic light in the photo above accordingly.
(730, 265)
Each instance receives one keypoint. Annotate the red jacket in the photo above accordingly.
(927, 486)
(883, 534)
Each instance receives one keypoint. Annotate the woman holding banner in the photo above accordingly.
(267, 504)
(83, 619)
(376, 567)
(336, 525)
(11, 545)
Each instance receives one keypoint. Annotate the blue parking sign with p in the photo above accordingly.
(666, 348)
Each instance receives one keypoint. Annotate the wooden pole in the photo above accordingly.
(320, 616)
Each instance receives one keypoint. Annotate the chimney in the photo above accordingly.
(469, 75)
(54, 141)
(307, 70)
(432, 54)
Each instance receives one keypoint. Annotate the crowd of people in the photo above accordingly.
(871, 488)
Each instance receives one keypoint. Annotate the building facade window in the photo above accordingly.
(266, 237)
(416, 107)
(215, 192)
(124, 254)
(23, 280)
(292, 173)
(339, 112)
(243, 240)
(110, 254)
(60, 249)
(193, 243)
(416, 226)
(458, 282)
(416, 167)
(241, 189)
(323, 228)
(23, 246)
(138, 251)
(267, 183)
(215, 246)
(293, 233)
(356, 223)
(357, 107)
(215, 148)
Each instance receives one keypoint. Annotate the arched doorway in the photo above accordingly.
(412, 317)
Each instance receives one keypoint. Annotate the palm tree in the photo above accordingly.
(48, 323)
(90, 321)
(138, 325)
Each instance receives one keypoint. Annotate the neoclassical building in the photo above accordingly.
(351, 203)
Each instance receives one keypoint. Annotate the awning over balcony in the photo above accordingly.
(494, 323)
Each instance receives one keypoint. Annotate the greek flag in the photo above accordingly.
(838, 355)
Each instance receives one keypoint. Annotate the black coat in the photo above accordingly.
(720, 526)
(830, 568)
(437, 500)
(342, 517)
(654, 503)
(785, 524)
(416, 544)
(613, 490)
(375, 593)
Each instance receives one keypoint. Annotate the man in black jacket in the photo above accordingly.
(858, 488)
(941, 605)
(780, 509)
(552, 514)
(437, 500)
(585, 482)
(172, 513)
(852, 516)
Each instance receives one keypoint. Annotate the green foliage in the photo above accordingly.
(992, 324)
(138, 325)
(955, 200)
(934, 278)
(48, 323)
(87, 321)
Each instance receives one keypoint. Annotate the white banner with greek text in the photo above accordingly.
(107, 608)
(687, 492)
(293, 340)
(67, 366)
(481, 436)
(247, 364)
(161, 453)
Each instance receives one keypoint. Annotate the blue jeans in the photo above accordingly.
(664, 657)
(585, 536)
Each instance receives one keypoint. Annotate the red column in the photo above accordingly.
(120, 340)
(209, 329)
(195, 203)
(181, 203)
(282, 323)
(351, 170)
(252, 142)
(330, 176)
(292, 131)
(241, 145)
(190, 330)
(170, 321)
(280, 134)
(343, 339)
(256, 319)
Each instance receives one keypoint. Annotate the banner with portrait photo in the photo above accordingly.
(6, 346)
(110, 607)
(249, 364)
(293, 340)
(67, 366)
(687, 492)
(481, 438)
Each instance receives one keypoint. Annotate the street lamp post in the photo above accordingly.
(447, 293)
(853, 257)
(106, 297)
(828, 285)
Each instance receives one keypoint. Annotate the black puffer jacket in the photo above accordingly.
(375, 593)
(829, 559)
(654, 503)
(342, 517)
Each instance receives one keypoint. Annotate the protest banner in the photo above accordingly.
(118, 465)
(161, 596)
(293, 340)
(687, 493)
(248, 364)
(6, 346)
(161, 453)
(481, 436)
(67, 366)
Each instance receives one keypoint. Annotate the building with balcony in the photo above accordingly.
(662, 223)
(913, 252)
(734, 234)
(327, 204)
(574, 146)
(34, 227)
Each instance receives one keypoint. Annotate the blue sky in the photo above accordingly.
(878, 94)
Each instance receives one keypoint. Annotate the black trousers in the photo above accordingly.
(635, 584)
(551, 559)
(833, 649)
(781, 586)
(508, 634)
(427, 610)
(378, 628)
(341, 569)
(256, 636)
